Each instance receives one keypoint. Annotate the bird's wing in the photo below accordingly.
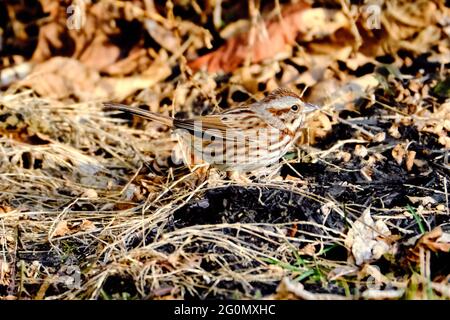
(225, 126)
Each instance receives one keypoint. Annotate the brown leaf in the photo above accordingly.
(61, 229)
(317, 127)
(360, 151)
(49, 41)
(280, 34)
(5, 209)
(398, 153)
(434, 240)
(100, 54)
(5, 273)
(136, 61)
(309, 249)
(393, 131)
(288, 290)
(410, 160)
(87, 225)
(164, 37)
(90, 194)
(51, 79)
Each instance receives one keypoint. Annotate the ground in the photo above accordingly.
(93, 204)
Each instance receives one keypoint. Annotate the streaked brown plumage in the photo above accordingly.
(240, 139)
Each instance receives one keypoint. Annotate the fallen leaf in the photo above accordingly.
(383, 294)
(341, 271)
(298, 19)
(90, 194)
(5, 271)
(51, 79)
(393, 131)
(360, 151)
(367, 172)
(164, 37)
(379, 137)
(434, 240)
(87, 225)
(5, 209)
(61, 229)
(398, 153)
(318, 125)
(365, 239)
(410, 160)
(422, 200)
(288, 289)
(309, 249)
(100, 54)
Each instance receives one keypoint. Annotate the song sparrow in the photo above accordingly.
(240, 139)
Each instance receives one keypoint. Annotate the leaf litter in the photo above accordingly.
(93, 204)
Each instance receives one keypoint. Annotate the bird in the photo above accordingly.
(241, 139)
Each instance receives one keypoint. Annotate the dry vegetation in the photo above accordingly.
(93, 207)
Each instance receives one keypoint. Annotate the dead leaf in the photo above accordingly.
(383, 294)
(360, 151)
(288, 289)
(367, 172)
(343, 97)
(5, 209)
(87, 225)
(138, 61)
(410, 160)
(317, 127)
(434, 240)
(398, 153)
(342, 271)
(379, 137)
(61, 229)
(298, 19)
(5, 271)
(309, 249)
(422, 200)
(164, 37)
(51, 79)
(90, 194)
(393, 131)
(407, 24)
(100, 54)
(365, 239)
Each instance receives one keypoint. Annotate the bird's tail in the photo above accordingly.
(141, 113)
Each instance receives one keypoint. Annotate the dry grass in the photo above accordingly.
(66, 207)
(90, 208)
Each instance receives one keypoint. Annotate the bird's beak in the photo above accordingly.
(309, 107)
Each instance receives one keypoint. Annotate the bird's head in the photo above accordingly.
(284, 109)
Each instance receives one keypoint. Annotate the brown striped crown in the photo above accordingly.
(278, 93)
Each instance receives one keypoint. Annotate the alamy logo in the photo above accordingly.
(371, 12)
(76, 15)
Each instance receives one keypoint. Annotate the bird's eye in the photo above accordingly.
(294, 107)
